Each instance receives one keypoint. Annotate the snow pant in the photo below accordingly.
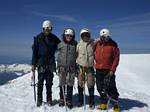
(86, 74)
(69, 92)
(44, 74)
(66, 78)
(111, 90)
(66, 82)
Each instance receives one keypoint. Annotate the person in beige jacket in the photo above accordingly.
(85, 60)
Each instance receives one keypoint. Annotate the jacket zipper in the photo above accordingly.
(87, 56)
(67, 56)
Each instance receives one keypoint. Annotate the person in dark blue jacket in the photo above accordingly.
(43, 57)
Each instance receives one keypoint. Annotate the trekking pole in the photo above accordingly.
(108, 104)
(34, 85)
(84, 97)
(84, 89)
(64, 95)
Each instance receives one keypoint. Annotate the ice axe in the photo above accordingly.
(33, 84)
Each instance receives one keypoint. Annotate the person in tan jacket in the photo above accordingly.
(85, 60)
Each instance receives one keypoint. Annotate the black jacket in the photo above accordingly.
(44, 49)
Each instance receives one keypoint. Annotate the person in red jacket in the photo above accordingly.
(106, 61)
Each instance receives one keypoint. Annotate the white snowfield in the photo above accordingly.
(132, 76)
(22, 68)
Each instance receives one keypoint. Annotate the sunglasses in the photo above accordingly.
(69, 35)
(85, 35)
(46, 28)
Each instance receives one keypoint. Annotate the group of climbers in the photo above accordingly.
(91, 61)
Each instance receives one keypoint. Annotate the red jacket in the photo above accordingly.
(106, 55)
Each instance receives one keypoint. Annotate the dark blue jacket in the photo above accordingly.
(44, 50)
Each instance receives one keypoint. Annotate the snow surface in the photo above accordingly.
(132, 76)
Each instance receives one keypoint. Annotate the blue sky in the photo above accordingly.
(20, 20)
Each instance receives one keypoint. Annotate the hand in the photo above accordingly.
(97, 39)
(33, 76)
(111, 73)
(33, 68)
(76, 75)
(33, 72)
(61, 69)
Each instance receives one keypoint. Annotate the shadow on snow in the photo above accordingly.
(8, 76)
(125, 103)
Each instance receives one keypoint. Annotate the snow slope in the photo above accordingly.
(133, 72)
(10, 72)
(132, 80)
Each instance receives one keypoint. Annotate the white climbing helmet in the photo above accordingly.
(105, 32)
(47, 24)
(84, 30)
(69, 32)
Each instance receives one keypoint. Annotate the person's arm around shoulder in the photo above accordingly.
(57, 40)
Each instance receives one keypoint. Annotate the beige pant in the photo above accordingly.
(86, 75)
